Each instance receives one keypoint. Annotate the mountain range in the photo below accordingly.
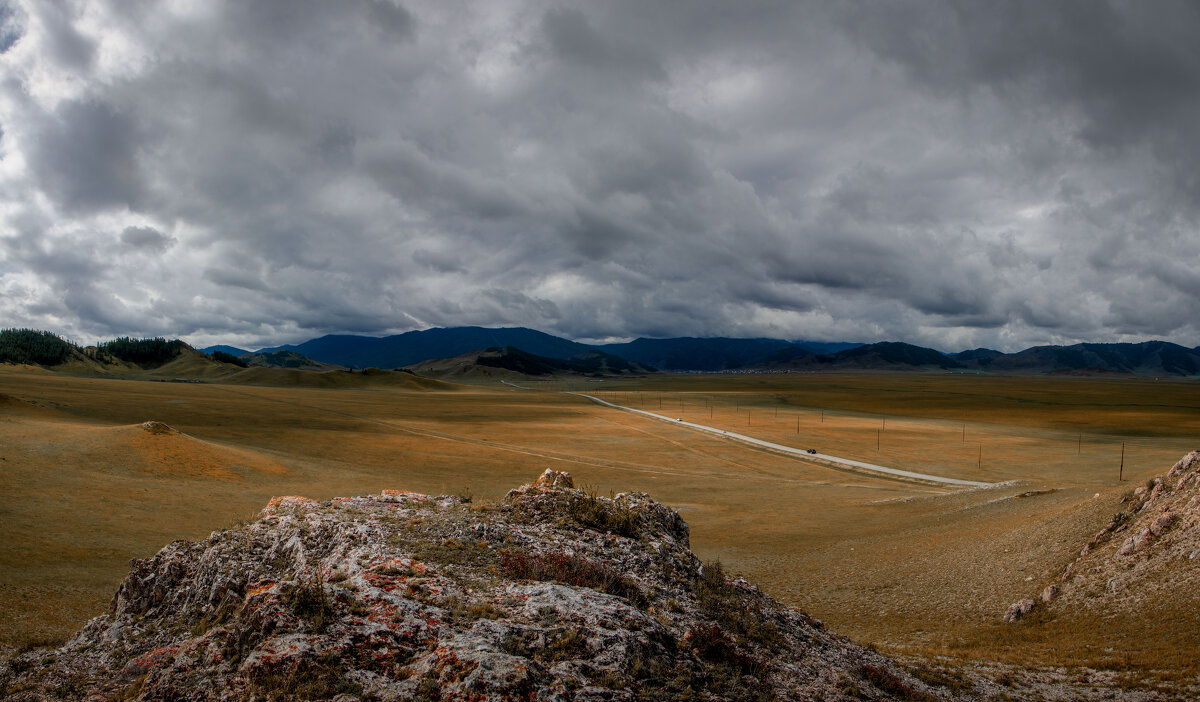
(743, 355)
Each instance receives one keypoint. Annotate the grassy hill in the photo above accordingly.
(34, 347)
(500, 362)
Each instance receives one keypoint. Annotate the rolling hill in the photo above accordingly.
(496, 362)
(287, 359)
(886, 355)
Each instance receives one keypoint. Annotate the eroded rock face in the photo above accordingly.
(550, 594)
(1141, 550)
(554, 478)
(1018, 609)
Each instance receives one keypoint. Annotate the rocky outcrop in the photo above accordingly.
(1145, 547)
(549, 594)
(1018, 609)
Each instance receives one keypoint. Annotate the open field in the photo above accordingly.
(916, 569)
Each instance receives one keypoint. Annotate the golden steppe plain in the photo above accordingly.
(919, 570)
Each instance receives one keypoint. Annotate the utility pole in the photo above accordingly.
(1121, 470)
(797, 425)
(822, 416)
(979, 462)
(877, 441)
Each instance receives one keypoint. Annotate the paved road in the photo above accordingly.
(801, 453)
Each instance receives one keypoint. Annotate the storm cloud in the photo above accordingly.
(953, 174)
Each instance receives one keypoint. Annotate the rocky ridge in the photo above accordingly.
(1148, 548)
(549, 594)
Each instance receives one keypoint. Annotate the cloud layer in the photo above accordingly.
(952, 174)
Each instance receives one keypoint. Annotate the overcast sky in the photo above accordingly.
(951, 174)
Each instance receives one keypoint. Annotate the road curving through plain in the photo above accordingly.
(790, 450)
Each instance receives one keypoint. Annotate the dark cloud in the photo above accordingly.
(957, 174)
(64, 43)
(86, 157)
(146, 239)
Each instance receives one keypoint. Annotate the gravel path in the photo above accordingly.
(799, 453)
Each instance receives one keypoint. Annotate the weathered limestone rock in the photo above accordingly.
(1189, 463)
(1018, 610)
(1049, 593)
(555, 479)
(1162, 523)
(550, 595)
(1137, 542)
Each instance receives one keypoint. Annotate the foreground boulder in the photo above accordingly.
(550, 594)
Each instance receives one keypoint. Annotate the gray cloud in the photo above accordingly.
(955, 174)
(146, 239)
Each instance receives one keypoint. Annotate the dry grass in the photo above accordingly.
(913, 568)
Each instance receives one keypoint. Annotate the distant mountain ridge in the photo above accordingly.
(1144, 358)
(231, 350)
(410, 348)
(716, 354)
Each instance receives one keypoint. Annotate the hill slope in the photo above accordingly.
(287, 359)
(513, 362)
(1147, 557)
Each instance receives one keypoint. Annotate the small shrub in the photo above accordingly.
(887, 682)
(570, 570)
(479, 610)
(712, 644)
(568, 645)
(309, 680)
(311, 603)
(732, 609)
(607, 516)
(429, 690)
(215, 618)
(949, 679)
(608, 680)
